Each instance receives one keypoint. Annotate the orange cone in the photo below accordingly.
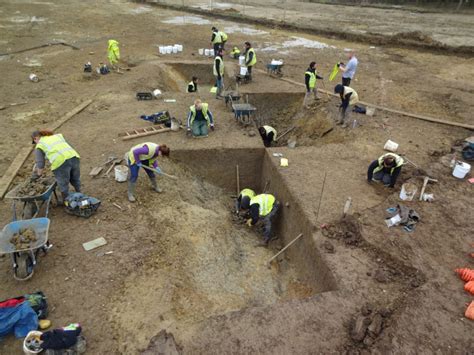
(469, 287)
(465, 274)
(470, 311)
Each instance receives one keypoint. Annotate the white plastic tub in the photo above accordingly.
(32, 334)
(201, 51)
(161, 49)
(242, 60)
(211, 53)
(391, 146)
(121, 173)
(180, 47)
(206, 52)
(243, 70)
(461, 169)
(169, 49)
(408, 192)
(175, 49)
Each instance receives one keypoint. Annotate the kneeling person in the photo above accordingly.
(264, 207)
(387, 168)
(243, 201)
(200, 119)
(144, 154)
(268, 134)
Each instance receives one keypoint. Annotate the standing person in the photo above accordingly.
(250, 59)
(64, 160)
(200, 119)
(193, 85)
(310, 81)
(144, 154)
(216, 39)
(349, 98)
(113, 52)
(218, 70)
(268, 134)
(265, 207)
(349, 69)
(386, 169)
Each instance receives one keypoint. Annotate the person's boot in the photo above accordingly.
(155, 186)
(131, 191)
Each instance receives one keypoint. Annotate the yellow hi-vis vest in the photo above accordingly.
(221, 67)
(223, 36)
(235, 51)
(144, 157)
(354, 97)
(269, 129)
(204, 107)
(254, 59)
(398, 162)
(265, 203)
(113, 51)
(312, 79)
(217, 38)
(247, 193)
(57, 150)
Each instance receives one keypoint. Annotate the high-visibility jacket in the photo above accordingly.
(221, 66)
(56, 149)
(312, 79)
(269, 129)
(113, 51)
(265, 203)
(223, 36)
(354, 97)
(254, 59)
(217, 38)
(398, 162)
(247, 193)
(235, 52)
(191, 83)
(204, 108)
(144, 157)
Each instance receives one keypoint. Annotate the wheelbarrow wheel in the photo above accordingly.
(24, 267)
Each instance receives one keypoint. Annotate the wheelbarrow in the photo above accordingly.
(275, 69)
(25, 259)
(31, 205)
(243, 112)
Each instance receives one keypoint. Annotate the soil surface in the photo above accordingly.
(179, 271)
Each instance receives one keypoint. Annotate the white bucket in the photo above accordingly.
(161, 49)
(156, 92)
(461, 169)
(242, 60)
(391, 146)
(180, 47)
(121, 173)
(211, 53)
(243, 70)
(32, 334)
(201, 51)
(206, 52)
(175, 49)
(34, 78)
(169, 49)
(408, 192)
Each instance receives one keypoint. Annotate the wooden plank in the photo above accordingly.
(24, 153)
(93, 244)
(126, 138)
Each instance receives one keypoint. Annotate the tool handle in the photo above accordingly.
(159, 172)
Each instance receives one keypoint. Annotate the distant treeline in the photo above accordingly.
(442, 4)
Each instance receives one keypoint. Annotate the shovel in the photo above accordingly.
(158, 171)
(96, 170)
(112, 164)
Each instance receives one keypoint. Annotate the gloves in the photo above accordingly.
(212, 127)
(249, 222)
(139, 164)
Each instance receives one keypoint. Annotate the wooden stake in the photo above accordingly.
(238, 179)
(286, 247)
(321, 196)
(285, 133)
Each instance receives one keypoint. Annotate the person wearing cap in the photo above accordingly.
(349, 69)
(64, 160)
(349, 98)
(243, 201)
(193, 85)
(144, 154)
(263, 207)
(218, 71)
(310, 77)
(200, 119)
(250, 59)
(268, 134)
(386, 169)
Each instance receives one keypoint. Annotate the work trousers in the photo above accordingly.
(249, 73)
(219, 85)
(268, 221)
(135, 169)
(200, 128)
(346, 81)
(382, 176)
(307, 96)
(345, 115)
(68, 172)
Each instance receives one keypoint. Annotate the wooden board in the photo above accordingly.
(24, 153)
(93, 244)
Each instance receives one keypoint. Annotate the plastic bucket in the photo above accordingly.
(242, 60)
(206, 52)
(161, 49)
(211, 52)
(408, 192)
(34, 78)
(121, 173)
(180, 47)
(201, 51)
(156, 92)
(243, 70)
(391, 146)
(175, 49)
(169, 49)
(461, 169)
(32, 334)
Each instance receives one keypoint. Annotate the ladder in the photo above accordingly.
(143, 132)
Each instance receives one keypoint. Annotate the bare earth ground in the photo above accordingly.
(180, 262)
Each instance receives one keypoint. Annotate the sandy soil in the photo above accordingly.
(180, 262)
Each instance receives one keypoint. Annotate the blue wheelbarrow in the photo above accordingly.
(275, 69)
(24, 256)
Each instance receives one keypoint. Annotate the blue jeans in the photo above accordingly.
(68, 172)
(135, 169)
(386, 178)
(200, 128)
(219, 85)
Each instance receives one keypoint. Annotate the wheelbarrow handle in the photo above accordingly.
(159, 172)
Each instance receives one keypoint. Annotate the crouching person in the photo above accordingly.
(264, 207)
(200, 119)
(386, 169)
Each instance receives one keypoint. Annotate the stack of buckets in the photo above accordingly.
(243, 68)
(206, 52)
(170, 49)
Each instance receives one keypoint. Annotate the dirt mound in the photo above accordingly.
(346, 229)
(34, 188)
(23, 239)
(162, 343)
(415, 36)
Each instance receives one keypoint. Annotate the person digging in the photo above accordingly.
(268, 134)
(200, 119)
(263, 207)
(242, 203)
(349, 98)
(385, 169)
(144, 154)
(193, 85)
